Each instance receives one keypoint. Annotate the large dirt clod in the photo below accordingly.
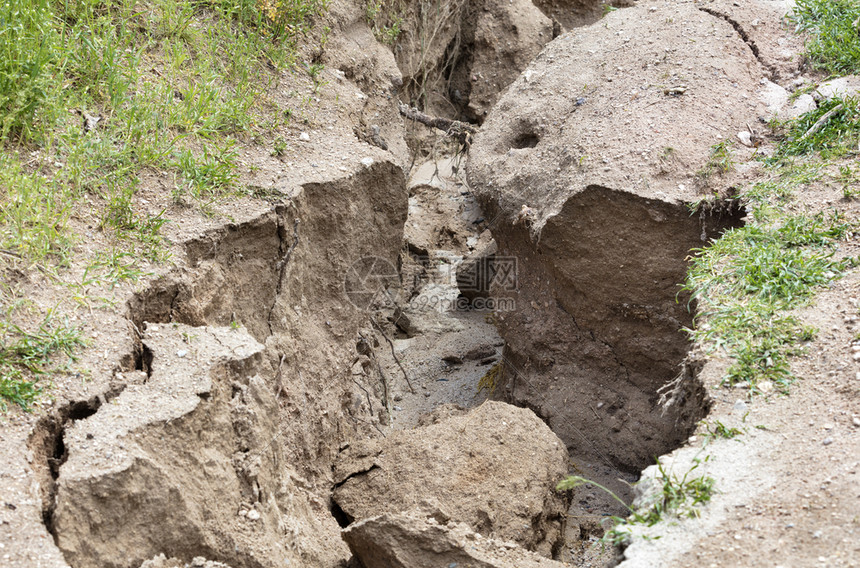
(419, 540)
(589, 165)
(493, 468)
(184, 464)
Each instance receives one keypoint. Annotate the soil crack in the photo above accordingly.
(772, 72)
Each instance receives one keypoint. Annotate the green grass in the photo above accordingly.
(25, 357)
(720, 430)
(676, 497)
(747, 280)
(174, 82)
(176, 85)
(836, 137)
(835, 44)
(721, 160)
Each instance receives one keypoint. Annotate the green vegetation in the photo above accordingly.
(720, 162)
(832, 130)
(99, 97)
(96, 93)
(26, 356)
(676, 496)
(488, 381)
(835, 44)
(747, 280)
(385, 18)
(720, 430)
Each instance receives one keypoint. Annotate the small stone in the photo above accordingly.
(397, 408)
(827, 441)
(816, 534)
(740, 406)
(828, 426)
(253, 515)
(745, 138)
(198, 562)
(305, 137)
(181, 353)
(856, 422)
(367, 162)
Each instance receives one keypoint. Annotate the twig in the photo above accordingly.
(820, 122)
(394, 355)
(462, 131)
(279, 377)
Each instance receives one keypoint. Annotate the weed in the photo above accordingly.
(832, 25)
(835, 137)
(209, 174)
(720, 430)
(720, 162)
(677, 496)
(746, 280)
(849, 179)
(34, 212)
(385, 18)
(25, 356)
(488, 381)
(279, 148)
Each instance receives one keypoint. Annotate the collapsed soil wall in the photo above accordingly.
(588, 169)
(221, 444)
(598, 326)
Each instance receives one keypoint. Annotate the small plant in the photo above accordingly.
(677, 496)
(26, 356)
(279, 148)
(488, 381)
(720, 430)
(385, 19)
(720, 162)
(849, 179)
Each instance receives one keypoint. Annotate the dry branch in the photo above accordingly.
(462, 131)
(820, 122)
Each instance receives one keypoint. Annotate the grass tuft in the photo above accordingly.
(834, 45)
(746, 281)
(25, 357)
(676, 497)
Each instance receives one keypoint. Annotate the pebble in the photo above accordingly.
(827, 441)
(305, 137)
(397, 408)
(856, 422)
(253, 515)
(181, 353)
(828, 426)
(367, 162)
(816, 534)
(740, 406)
